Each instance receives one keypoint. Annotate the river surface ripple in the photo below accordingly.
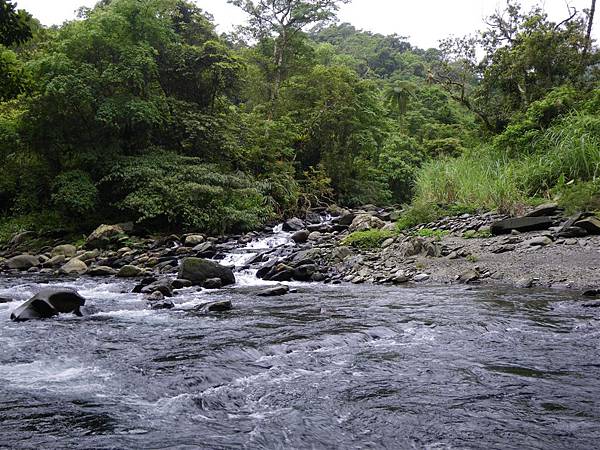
(326, 367)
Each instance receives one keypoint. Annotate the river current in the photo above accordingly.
(324, 367)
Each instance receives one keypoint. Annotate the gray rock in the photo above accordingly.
(547, 209)
(193, 240)
(315, 236)
(300, 237)
(589, 224)
(468, 276)
(198, 270)
(525, 282)
(218, 306)
(155, 296)
(521, 224)
(205, 249)
(48, 303)
(129, 271)
(89, 255)
(364, 222)
(213, 283)
(592, 293)
(181, 284)
(293, 224)
(539, 241)
(339, 254)
(400, 277)
(55, 261)
(421, 277)
(281, 272)
(274, 291)
(163, 286)
(101, 271)
(22, 262)
(162, 304)
(104, 236)
(74, 267)
(304, 272)
(66, 250)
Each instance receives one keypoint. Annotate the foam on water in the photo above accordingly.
(54, 375)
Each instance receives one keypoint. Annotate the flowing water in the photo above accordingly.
(325, 367)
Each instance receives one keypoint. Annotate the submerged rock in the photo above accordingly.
(48, 303)
(275, 291)
(218, 306)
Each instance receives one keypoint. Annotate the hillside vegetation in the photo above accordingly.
(139, 111)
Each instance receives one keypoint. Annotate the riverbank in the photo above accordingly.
(549, 251)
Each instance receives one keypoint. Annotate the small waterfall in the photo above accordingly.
(239, 258)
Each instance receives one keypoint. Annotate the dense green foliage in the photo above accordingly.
(139, 111)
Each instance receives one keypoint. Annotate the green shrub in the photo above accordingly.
(74, 193)
(430, 233)
(369, 239)
(472, 234)
(165, 190)
(579, 196)
(41, 222)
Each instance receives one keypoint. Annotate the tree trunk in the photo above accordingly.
(588, 36)
(278, 56)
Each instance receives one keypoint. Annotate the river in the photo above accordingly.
(325, 367)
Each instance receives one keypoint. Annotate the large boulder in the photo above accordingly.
(521, 224)
(48, 303)
(364, 222)
(275, 291)
(22, 262)
(74, 266)
(104, 236)
(198, 270)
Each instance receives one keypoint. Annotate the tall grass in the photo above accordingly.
(564, 155)
(477, 180)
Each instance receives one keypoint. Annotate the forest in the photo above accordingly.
(140, 111)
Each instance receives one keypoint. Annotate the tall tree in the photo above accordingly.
(14, 25)
(283, 20)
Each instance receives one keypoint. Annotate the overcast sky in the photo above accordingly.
(423, 21)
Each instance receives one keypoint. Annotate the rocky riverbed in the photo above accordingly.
(541, 248)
